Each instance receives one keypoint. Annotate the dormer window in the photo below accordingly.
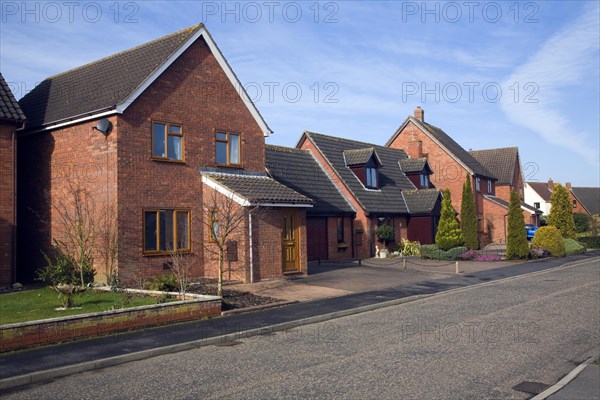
(371, 177)
(424, 180)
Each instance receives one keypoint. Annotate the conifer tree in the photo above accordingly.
(516, 243)
(561, 213)
(448, 234)
(468, 216)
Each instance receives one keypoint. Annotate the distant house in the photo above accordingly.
(153, 133)
(586, 200)
(451, 163)
(372, 180)
(538, 195)
(11, 119)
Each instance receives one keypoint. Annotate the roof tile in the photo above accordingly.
(9, 107)
(500, 162)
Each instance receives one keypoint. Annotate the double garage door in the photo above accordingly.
(316, 232)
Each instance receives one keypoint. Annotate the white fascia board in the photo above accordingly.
(289, 205)
(73, 122)
(202, 32)
(225, 191)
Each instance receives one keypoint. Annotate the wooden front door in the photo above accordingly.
(291, 250)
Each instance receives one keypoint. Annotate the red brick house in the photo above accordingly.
(373, 182)
(11, 119)
(585, 200)
(151, 132)
(450, 164)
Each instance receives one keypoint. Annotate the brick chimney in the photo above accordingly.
(550, 184)
(415, 149)
(420, 114)
(568, 185)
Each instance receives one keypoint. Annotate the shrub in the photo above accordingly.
(468, 255)
(516, 244)
(582, 222)
(591, 242)
(549, 238)
(164, 283)
(455, 252)
(534, 254)
(448, 234)
(561, 213)
(488, 258)
(410, 248)
(385, 234)
(427, 250)
(468, 216)
(572, 246)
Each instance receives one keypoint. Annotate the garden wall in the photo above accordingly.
(56, 330)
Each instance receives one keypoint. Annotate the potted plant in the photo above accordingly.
(385, 234)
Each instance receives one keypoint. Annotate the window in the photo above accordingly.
(574, 203)
(166, 231)
(228, 148)
(489, 187)
(371, 176)
(167, 141)
(536, 205)
(214, 223)
(478, 184)
(424, 181)
(340, 230)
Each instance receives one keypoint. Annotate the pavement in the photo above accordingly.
(586, 385)
(36, 365)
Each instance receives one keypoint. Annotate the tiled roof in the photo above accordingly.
(392, 181)
(259, 189)
(298, 170)
(589, 197)
(360, 156)
(413, 164)
(541, 188)
(505, 204)
(9, 107)
(500, 162)
(422, 201)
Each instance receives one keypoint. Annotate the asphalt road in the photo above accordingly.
(477, 342)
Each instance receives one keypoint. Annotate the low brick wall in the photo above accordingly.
(56, 330)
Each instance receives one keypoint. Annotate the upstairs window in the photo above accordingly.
(424, 181)
(167, 141)
(536, 205)
(228, 149)
(371, 177)
(574, 203)
(166, 231)
(478, 184)
(490, 187)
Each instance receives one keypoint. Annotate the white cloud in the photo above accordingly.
(561, 63)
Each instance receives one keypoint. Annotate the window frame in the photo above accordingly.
(490, 187)
(574, 203)
(537, 205)
(158, 251)
(375, 177)
(477, 184)
(424, 180)
(214, 219)
(227, 142)
(167, 125)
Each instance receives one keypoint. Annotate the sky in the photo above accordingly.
(490, 73)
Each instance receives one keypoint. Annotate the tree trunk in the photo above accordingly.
(220, 277)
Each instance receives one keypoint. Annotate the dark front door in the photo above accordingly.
(316, 232)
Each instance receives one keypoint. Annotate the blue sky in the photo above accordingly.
(491, 74)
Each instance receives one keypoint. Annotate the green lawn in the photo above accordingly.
(31, 305)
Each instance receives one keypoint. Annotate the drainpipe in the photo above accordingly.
(505, 240)
(14, 222)
(352, 236)
(250, 244)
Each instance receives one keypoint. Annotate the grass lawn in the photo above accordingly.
(31, 305)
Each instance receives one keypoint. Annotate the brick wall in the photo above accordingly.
(7, 193)
(494, 222)
(52, 166)
(334, 250)
(57, 330)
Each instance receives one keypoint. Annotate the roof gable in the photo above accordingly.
(300, 171)
(541, 188)
(9, 107)
(111, 84)
(422, 201)
(413, 165)
(447, 143)
(500, 162)
(388, 198)
(356, 157)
